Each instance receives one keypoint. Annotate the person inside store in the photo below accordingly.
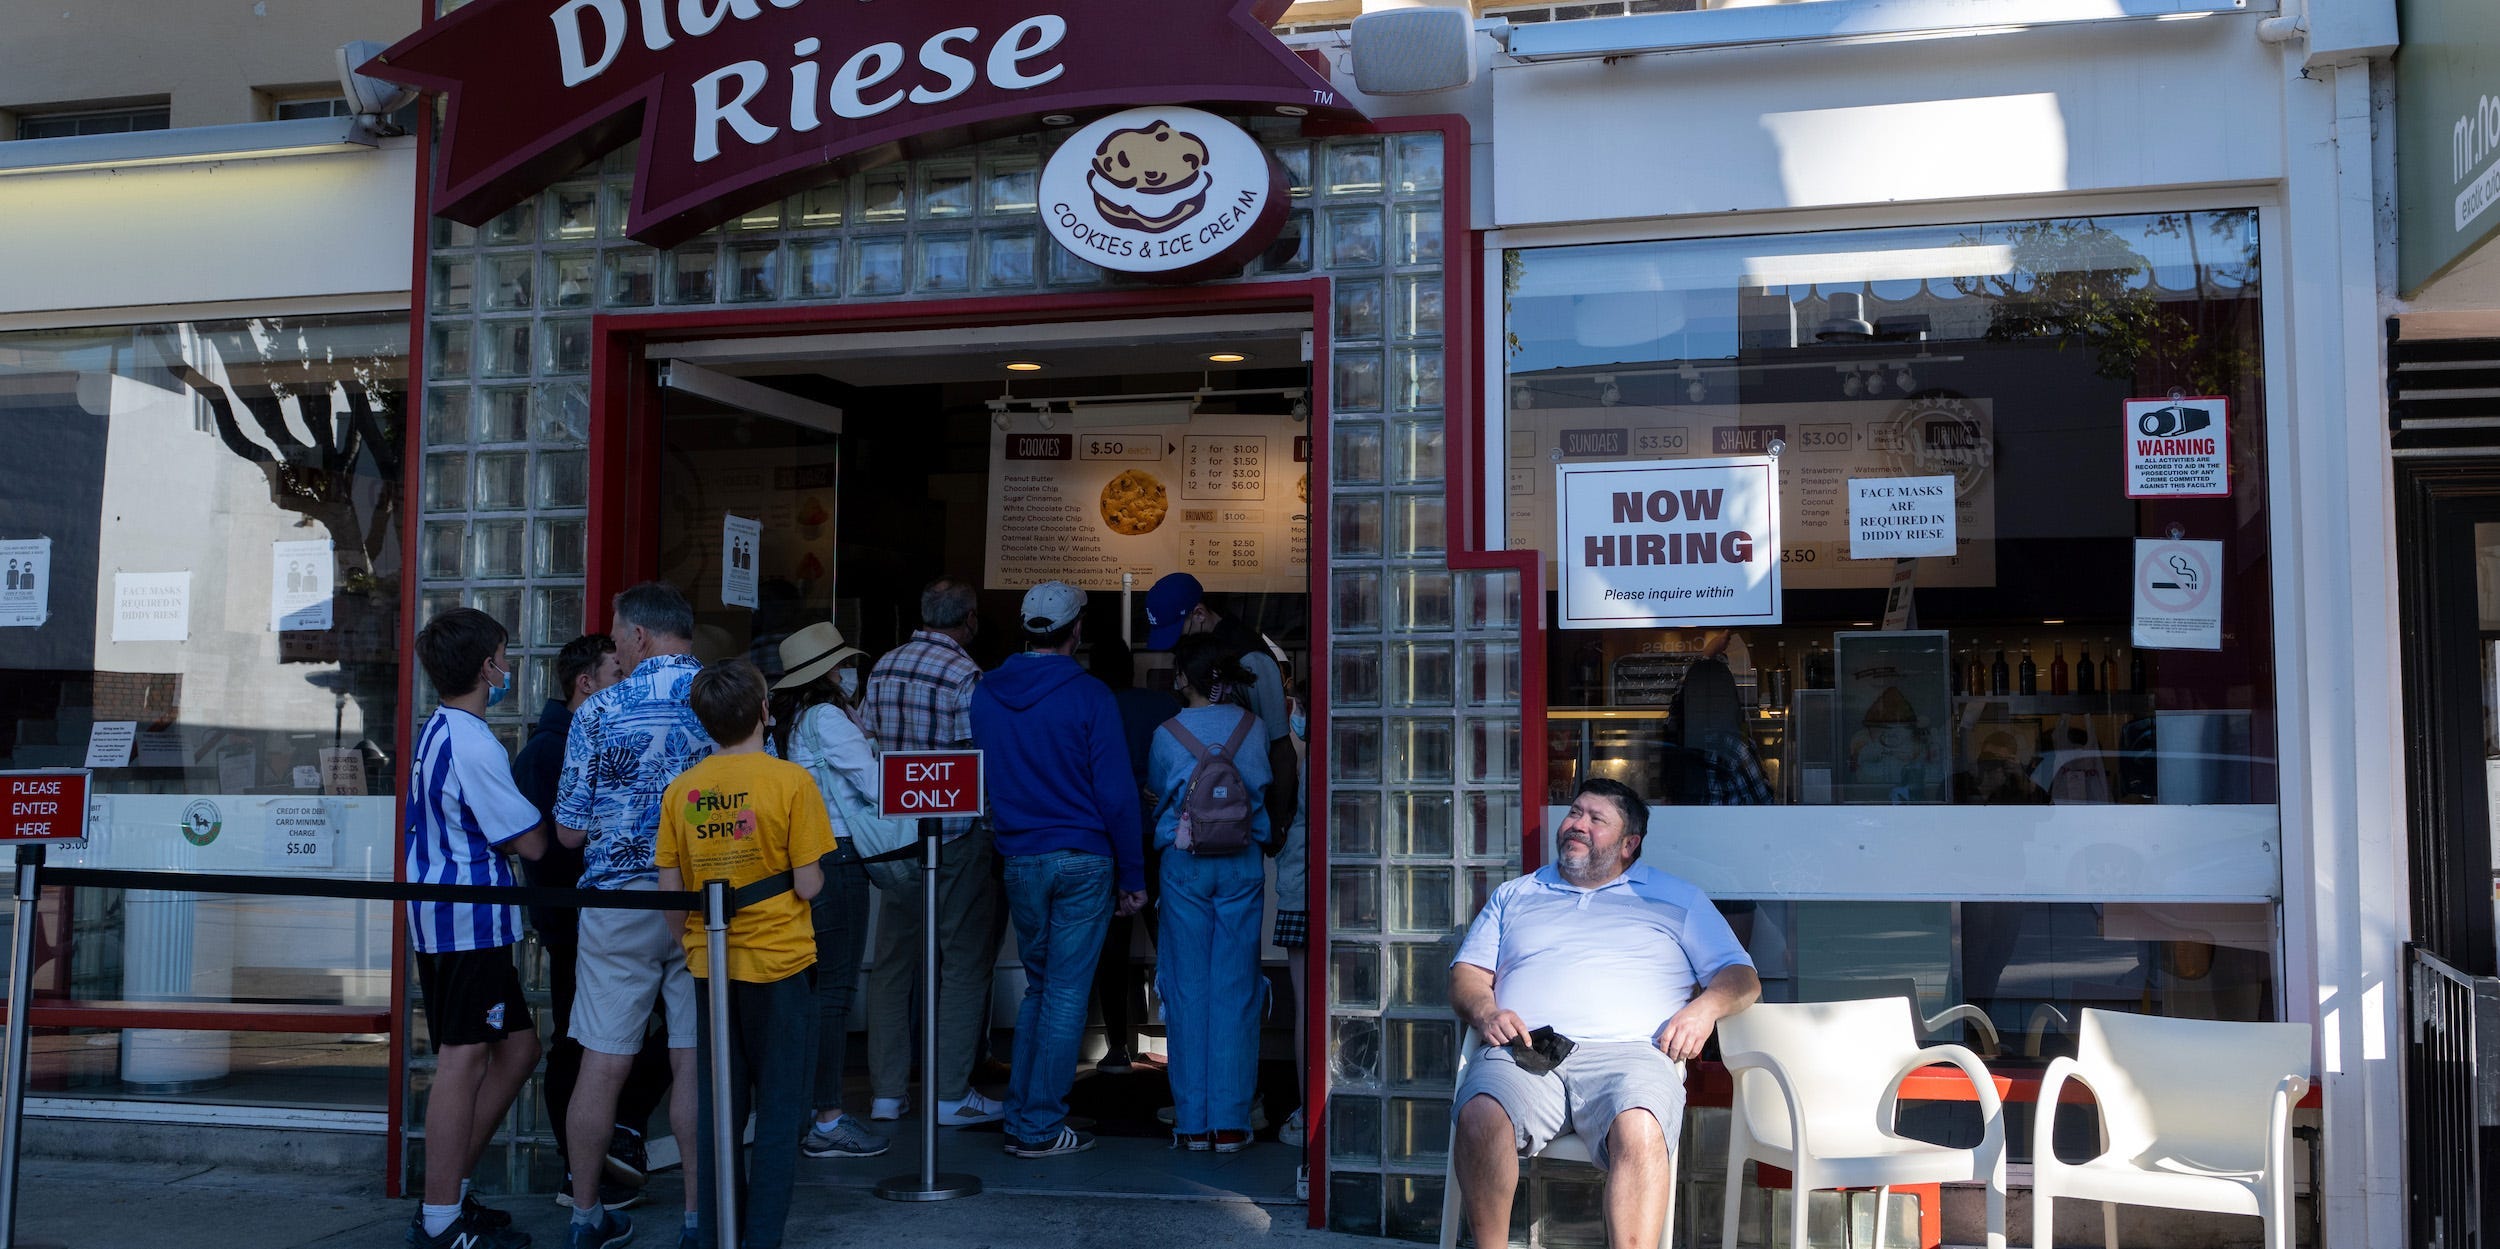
(1064, 801)
(464, 815)
(1209, 780)
(1177, 607)
(1119, 992)
(629, 741)
(1591, 982)
(813, 702)
(747, 818)
(919, 697)
(585, 666)
(1293, 916)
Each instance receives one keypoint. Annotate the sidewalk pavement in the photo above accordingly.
(105, 1205)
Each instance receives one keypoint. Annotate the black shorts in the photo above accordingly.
(472, 997)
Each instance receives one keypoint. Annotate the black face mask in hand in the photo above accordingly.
(1541, 1051)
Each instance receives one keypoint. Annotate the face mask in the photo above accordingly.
(496, 693)
(1300, 724)
(848, 681)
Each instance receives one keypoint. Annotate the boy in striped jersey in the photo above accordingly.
(464, 815)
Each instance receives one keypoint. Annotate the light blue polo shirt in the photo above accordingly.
(1612, 963)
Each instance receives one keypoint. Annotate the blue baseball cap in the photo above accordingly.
(1168, 605)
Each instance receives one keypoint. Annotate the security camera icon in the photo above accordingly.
(2173, 421)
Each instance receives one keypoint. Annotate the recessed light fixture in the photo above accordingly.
(1024, 366)
(1058, 119)
(1293, 110)
(1226, 357)
(2052, 622)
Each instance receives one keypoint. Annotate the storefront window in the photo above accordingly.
(200, 524)
(2069, 404)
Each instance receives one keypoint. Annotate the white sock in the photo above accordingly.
(587, 1217)
(464, 1190)
(439, 1219)
(691, 1220)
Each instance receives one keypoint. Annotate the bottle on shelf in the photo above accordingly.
(2087, 678)
(1775, 681)
(1999, 677)
(2109, 667)
(2057, 670)
(2135, 671)
(2027, 677)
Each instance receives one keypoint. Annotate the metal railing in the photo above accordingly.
(2452, 1126)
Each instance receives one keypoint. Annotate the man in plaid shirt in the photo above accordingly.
(919, 697)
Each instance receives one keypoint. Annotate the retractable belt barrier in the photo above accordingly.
(716, 901)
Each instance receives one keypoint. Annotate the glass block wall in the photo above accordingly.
(1423, 751)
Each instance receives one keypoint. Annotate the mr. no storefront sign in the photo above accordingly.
(2447, 134)
(738, 102)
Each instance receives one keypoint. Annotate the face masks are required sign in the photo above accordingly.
(1670, 543)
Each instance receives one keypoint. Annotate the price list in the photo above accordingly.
(1225, 467)
(1221, 552)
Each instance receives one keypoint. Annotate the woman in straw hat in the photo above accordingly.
(812, 706)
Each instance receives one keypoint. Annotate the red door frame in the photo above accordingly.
(624, 459)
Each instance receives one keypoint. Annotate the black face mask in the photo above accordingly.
(1541, 1051)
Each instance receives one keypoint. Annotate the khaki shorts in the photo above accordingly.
(629, 959)
(1583, 1095)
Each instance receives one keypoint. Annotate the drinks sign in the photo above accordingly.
(739, 102)
(1168, 194)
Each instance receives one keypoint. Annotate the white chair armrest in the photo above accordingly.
(2044, 1157)
(2287, 1094)
(1972, 1015)
(1740, 1065)
(2042, 1018)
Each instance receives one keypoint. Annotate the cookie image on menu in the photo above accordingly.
(1134, 503)
(1151, 179)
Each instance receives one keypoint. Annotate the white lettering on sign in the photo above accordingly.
(932, 783)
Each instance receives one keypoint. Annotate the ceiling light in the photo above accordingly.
(1058, 119)
(1608, 393)
(998, 417)
(1875, 381)
(1695, 391)
(1905, 380)
(1226, 357)
(1048, 421)
(1293, 110)
(1852, 385)
(1024, 366)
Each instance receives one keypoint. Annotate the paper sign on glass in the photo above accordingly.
(2179, 448)
(26, 589)
(301, 576)
(1667, 543)
(740, 538)
(1901, 517)
(110, 742)
(2178, 595)
(152, 606)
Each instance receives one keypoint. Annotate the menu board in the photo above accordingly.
(1226, 498)
(1824, 446)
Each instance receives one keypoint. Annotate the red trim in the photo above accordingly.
(207, 1017)
(411, 511)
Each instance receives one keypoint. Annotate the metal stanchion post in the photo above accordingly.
(725, 1131)
(928, 1185)
(21, 998)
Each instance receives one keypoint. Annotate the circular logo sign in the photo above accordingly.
(1167, 194)
(201, 822)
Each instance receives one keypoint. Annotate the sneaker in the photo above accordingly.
(610, 1232)
(628, 1162)
(1292, 1134)
(889, 1108)
(1167, 1115)
(689, 1238)
(842, 1138)
(1116, 1061)
(483, 1217)
(972, 1108)
(1194, 1142)
(1230, 1140)
(464, 1234)
(612, 1195)
(1068, 1141)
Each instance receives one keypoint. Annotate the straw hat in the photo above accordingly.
(811, 653)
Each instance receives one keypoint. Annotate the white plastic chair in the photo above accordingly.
(1567, 1147)
(1929, 1026)
(2195, 1115)
(1817, 1085)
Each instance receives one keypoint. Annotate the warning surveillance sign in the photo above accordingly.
(2179, 448)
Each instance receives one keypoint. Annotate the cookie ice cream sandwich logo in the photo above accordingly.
(1170, 194)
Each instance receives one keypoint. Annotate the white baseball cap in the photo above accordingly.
(1049, 607)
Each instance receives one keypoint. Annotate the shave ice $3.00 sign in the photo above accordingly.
(930, 783)
(1670, 543)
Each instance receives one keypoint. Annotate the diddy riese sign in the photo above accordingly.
(739, 102)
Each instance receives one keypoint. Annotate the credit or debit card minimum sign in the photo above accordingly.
(921, 783)
(43, 807)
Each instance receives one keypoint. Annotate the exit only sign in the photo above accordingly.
(932, 783)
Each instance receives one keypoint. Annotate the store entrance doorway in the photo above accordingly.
(830, 477)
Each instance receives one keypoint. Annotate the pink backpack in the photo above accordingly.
(1218, 815)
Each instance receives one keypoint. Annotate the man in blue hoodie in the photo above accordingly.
(1064, 803)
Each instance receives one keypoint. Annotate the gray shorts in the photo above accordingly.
(629, 959)
(1582, 1096)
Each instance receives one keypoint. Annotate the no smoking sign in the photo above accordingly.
(2178, 600)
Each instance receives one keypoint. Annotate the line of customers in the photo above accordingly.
(653, 772)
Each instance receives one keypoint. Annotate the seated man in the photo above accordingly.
(1634, 968)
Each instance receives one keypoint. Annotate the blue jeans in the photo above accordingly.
(772, 1069)
(1207, 969)
(1061, 902)
(841, 916)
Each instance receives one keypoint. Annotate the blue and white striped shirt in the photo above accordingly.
(462, 807)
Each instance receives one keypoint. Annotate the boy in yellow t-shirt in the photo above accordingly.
(742, 816)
